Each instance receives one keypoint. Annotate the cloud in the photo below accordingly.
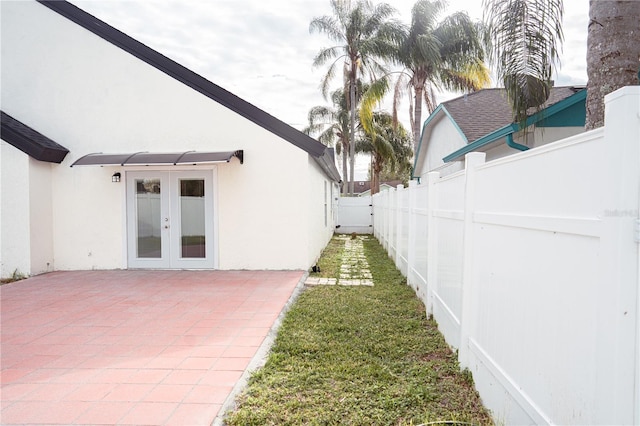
(262, 50)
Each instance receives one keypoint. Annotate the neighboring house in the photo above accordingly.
(188, 175)
(362, 188)
(482, 121)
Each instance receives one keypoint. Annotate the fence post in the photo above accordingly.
(411, 238)
(387, 223)
(399, 190)
(392, 223)
(618, 338)
(432, 240)
(472, 161)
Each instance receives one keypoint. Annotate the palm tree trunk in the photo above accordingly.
(376, 167)
(612, 58)
(417, 116)
(352, 135)
(345, 179)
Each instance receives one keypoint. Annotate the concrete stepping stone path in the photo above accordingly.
(354, 270)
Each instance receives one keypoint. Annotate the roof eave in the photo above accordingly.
(30, 141)
(439, 108)
(515, 127)
(185, 76)
(327, 163)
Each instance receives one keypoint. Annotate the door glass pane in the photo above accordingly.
(192, 237)
(149, 223)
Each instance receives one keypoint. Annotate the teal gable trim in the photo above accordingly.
(564, 104)
(455, 124)
(568, 109)
(485, 140)
(573, 116)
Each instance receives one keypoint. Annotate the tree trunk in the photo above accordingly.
(345, 178)
(352, 130)
(376, 167)
(417, 116)
(613, 51)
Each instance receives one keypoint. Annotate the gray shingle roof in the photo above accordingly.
(485, 111)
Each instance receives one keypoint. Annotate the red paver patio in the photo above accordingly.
(132, 347)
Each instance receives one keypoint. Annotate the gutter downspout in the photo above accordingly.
(512, 144)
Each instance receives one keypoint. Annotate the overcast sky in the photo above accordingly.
(262, 51)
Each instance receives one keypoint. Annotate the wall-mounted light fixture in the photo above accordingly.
(115, 177)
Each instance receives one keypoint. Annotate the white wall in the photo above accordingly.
(15, 240)
(90, 96)
(319, 230)
(40, 217)
(440, 139)
(26, 221)
(532, 271)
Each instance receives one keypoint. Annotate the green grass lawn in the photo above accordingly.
(359, 356)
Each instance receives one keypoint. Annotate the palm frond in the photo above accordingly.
(326, 80)
(370, 98)
(326, 54)
(402, 85)
(524, 46)
(327, 25)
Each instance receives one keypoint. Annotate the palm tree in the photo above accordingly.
(389, 146)
(446, 55)
(525, 36)
(365, 35)
(331, 125)
(525, 39)
(613, 53)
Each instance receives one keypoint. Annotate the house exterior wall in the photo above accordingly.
(40, 217)
(545, 135)
(442, 139)
(539, 137)
(320, 222)
(91, 96)
(15, 241)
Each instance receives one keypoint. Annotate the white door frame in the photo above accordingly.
(170, 219)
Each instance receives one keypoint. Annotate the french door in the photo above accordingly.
(170, 219)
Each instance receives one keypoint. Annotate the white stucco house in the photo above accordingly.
(168, 169)
(482, 121)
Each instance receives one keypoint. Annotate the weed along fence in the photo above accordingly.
(530, 265)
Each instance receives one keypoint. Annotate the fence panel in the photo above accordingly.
(536, 244)
(449, 226)
(530, 265)
(402, 256)
(392, 223)
(417, 274)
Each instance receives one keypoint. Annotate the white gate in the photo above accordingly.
(355, 215)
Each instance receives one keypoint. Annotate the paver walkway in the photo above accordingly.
(132, 347)
(354, 269)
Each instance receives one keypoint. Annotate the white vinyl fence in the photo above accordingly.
(354, 215)
(530, 265)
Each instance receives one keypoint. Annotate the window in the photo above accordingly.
(325, 204)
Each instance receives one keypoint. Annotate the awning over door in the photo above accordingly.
(158, 158)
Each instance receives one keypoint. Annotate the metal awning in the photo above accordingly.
(158, 158)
